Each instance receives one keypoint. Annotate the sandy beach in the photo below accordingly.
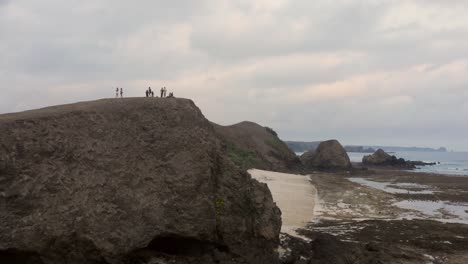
(294, 195)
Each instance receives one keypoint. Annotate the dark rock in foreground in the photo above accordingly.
(330, 155)
(383, 159)
(120, 181)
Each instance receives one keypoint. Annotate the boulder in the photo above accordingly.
(121, 180)
(330, 155)
(380, 157)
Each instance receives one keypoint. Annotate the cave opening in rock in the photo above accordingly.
(14, 256)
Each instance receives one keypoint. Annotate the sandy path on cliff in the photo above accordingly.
(294, 195)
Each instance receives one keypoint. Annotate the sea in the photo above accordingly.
(452, 163)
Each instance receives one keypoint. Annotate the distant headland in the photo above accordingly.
(301, 146)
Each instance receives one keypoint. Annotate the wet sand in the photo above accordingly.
(410, 217)
(380, 216)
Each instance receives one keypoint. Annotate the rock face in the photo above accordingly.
(382, 159)
(112, 181)
(253, 146)
(330, 155)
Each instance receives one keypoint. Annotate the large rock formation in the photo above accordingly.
(330, 155)
(112, 181)
(382, 159)
(253, 146)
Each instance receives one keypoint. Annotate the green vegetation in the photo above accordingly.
(278, 145)
(241, 157)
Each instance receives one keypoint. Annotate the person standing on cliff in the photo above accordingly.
(165, 91)
(121, 92)
(162, 92)
(117, 92)
(147, 93)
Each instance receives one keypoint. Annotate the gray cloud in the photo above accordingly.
(374, 72)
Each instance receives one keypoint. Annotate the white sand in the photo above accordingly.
(294, 195)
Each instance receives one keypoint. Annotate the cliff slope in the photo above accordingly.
(253, 146)
(111, 181)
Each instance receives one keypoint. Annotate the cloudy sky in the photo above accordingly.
(364, 72)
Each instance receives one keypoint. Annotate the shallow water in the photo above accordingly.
(387, 186)
(439, 210)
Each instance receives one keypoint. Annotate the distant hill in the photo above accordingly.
(420, 149)
(360, 149)
(302, 146)
(253, 146)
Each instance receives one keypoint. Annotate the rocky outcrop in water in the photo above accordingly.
(127, 181)
(382, 159)
(330, 155)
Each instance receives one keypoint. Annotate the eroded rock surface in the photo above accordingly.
(104, 181)
(382, 159)
(330, 155)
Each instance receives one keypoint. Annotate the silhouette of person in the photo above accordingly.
(165, 91)
(121, 92)
(162, 92)
(149, 90)
(117, 92)
(147, 93)
(152, 93)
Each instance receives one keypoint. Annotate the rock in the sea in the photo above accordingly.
(330, 155)
(381, 158)
(113, 180)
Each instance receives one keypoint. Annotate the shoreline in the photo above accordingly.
(294, 195)
(369, 218)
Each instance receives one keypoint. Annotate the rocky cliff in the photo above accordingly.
(330, 155)
(253, 146)
(127, 181)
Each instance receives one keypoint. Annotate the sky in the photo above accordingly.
(364, 72)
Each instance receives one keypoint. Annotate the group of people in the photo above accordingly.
(117, 92)
(150, 93)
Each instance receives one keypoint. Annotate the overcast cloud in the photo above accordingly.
(364, 72)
